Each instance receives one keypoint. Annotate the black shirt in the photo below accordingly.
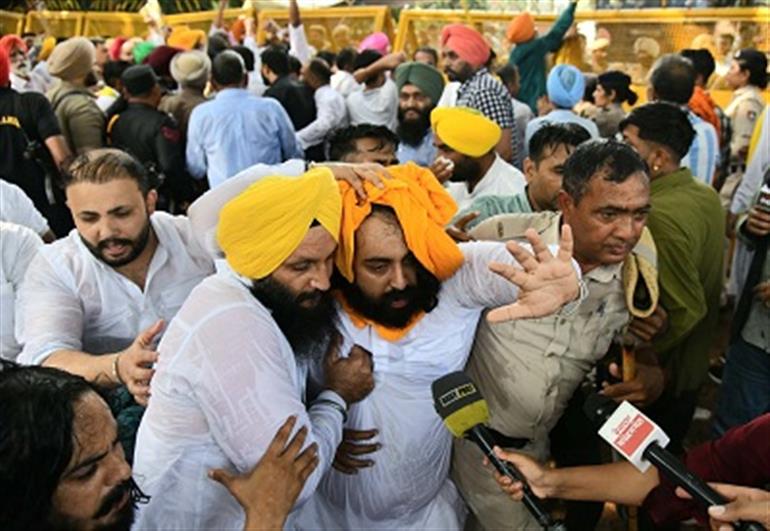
(154, 138)
(25, 118)
(297, 98)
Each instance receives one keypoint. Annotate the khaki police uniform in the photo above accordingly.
(529, 369)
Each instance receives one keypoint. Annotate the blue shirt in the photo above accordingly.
(423, 154)
(559, 116)
(235, 131)
(703, 157)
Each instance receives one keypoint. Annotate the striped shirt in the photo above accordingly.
(703, 157)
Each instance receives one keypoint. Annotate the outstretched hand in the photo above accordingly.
(546, 282)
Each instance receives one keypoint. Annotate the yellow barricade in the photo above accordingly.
(334, 28)
(56, 23)
(11, 22)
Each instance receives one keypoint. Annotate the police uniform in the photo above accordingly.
(152, 137)
(743, 111)
(529, 369)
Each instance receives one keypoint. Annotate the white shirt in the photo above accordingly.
(755, 170)
(72, 300)
(344, 83)
(332, 115)
(17, 207)
(227, 379)
(409, 487)
(18, 246)
(298, 45)
(449, 95)
(501, 179)
(377, 106)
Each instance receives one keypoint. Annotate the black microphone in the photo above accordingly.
(635, 431)
(464, 411)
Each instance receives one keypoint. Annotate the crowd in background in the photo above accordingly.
(152, 189)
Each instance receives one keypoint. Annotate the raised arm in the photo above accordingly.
(555, 35)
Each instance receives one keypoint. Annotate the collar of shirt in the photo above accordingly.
(681, 177)
(488, 180)
(747, 90)
(472, 80)
(232, 93)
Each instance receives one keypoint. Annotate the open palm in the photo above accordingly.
(546, 282)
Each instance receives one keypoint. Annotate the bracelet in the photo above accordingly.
(115, 373)
(335, 405)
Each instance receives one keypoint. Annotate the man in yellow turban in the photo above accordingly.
(465, 143)
(413, 298)
(235, 360)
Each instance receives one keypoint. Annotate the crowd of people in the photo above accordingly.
(231, 271)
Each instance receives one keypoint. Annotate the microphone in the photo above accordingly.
(642, 443)
(459, 403)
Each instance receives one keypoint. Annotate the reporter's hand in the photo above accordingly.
(134, 366)
(347, 459)
(650, 327)
(536, 475)
(643, 390)
(762, 292)
(745, 503)
(267, 493)
(352, 378)
(758, 222)
(458, 231)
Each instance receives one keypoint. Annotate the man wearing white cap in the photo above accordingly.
(191, 70)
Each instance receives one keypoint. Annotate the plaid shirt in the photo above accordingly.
(488, 96)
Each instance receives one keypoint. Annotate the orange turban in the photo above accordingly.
(186, 39)
(467, 43)
(521, 28)
(423, 207)
(238, 30)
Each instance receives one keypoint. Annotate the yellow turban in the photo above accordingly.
(465, 130)
(49, 43)
(264, 225)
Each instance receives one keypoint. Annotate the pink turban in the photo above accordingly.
(5, 68)
(467, 43)
(376, 41)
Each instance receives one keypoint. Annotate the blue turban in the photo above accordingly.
(565, 86)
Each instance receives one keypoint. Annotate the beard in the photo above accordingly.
(422, 297)
(466, 171)
(463, 75)
(411, 132)
(136, 246)
(308, 330)
(122, 519)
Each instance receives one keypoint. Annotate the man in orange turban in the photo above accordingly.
(465, 54)
(413, 298)
(528, 54)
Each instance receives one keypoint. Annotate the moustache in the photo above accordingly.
(113, 498)
(407, 293)
(314, 296)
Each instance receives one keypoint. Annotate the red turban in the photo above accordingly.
(467, 43)
(5, 68)
(9, 42)
(115, 47)
(160, 60)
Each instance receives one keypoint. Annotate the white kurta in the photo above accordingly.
(17, 207)
(227, 379)
(332, 115)
(409, 487)
(18, 246)
(378, 106)
(71, 300)
(501, 179)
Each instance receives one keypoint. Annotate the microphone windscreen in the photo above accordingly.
(459, 403)
(598, 408)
